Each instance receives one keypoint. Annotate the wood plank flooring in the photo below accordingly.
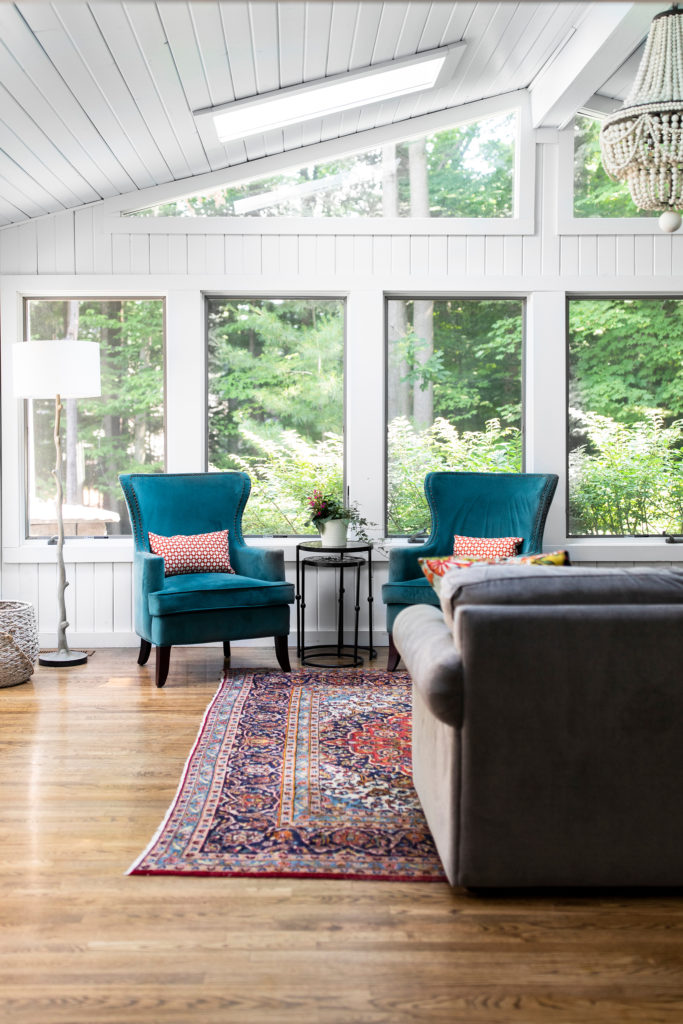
(89, 761)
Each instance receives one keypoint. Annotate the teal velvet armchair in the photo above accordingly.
(471, 505)
(202, 607)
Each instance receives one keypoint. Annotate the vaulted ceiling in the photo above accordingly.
(97, 99)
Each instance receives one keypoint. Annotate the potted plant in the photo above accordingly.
(332, 518)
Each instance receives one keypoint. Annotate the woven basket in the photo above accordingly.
(18, 642)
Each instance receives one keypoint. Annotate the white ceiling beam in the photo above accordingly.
(606, 36)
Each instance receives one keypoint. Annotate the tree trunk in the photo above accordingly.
(398, 390)
(72, 494)
(423, 318)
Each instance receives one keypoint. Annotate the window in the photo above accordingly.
(454, 396)
(121, 431)
(625, 416)
(595, 194)
(276, 403)
(462, 172)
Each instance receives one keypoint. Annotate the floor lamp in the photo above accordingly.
(58, 369)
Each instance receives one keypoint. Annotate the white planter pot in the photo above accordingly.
(333, 532)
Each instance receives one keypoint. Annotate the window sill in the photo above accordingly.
(622, 549)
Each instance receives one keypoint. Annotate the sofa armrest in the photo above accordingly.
(259, 563)
(403, 562)
(148, 573)
(426, 645)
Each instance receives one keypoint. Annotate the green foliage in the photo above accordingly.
(629, 482)
(121, 431)
(412, 453)
(595, 194)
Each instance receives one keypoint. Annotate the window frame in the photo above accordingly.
(261, 296)
(25, 299)
(613, 538)
(439, 297)
(522, 221)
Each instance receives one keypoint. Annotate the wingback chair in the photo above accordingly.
(470, 505)
(201, 607)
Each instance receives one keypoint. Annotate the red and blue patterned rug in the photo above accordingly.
(302, 775)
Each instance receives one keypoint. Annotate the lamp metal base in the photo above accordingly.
(63, 659)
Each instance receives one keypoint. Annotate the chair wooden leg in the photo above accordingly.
(226, 649)
(145, 651)
(394, 656)
(282, 653)
(163, 660)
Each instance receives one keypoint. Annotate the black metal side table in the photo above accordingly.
(343, 557)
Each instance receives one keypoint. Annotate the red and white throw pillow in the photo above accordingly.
(197, 552)
(487, 547)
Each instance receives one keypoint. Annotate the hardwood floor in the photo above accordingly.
(90, 760)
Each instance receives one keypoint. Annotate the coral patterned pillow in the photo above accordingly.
(486, 547)
(196, 552)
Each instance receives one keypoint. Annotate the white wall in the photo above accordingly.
(94, 251)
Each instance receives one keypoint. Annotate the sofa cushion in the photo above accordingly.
(203, 591)
(487, 547)
(524, 584)
(192, 553)
(409, 592)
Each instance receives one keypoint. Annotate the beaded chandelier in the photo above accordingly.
(642, 144)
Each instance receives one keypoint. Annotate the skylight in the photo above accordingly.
(300, 103)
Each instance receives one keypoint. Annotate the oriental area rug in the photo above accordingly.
(304, 774)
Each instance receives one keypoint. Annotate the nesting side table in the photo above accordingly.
(345, 557)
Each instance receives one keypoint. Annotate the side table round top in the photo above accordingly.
(316, 545)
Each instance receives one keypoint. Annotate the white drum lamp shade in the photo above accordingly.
(58, 369)
(44, 369)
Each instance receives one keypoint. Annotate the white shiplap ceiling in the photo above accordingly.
(96, 98)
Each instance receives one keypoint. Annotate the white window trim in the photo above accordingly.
(521, 223)
(545, 354)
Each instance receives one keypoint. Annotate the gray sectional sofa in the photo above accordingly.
(548, 724)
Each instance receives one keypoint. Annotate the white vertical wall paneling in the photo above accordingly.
(677, 255)
(289, 253)
(361, 262)
(662, 255)
(65, 256)
(47, 250)
(476, 255)
(120, 254)
(103, 243)
(588, 256)
(400, 255)
(344, 254)
(307, 256)
(381, 253)
(494, 256)
(569, 256)
(121, 598)
(234, 254)
(606, 256)
(196, 254)
(139, 254)
(270, 255)
(84, 241)
(252, 254)
(625, 255)
(512, 255)
(419, 254)
(644, 255)
(457, 256)
(438, 256)
(83, 583)
(159, 254)
(103, 617)
(215, 254)
(545, 431)
(326, 255)
(177, 254)
(28, 254)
